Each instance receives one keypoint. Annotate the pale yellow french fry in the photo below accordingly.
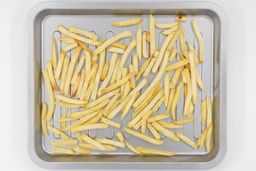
(182, 38)
(93, 147)
(125, 101)
(83, 32)
(104, 71)
(111, 40)
(199, 39)
(132, 79)
(156, 53)
(71, 70)
(203, 112)
(149, 67)
(158, 104)
(167, 81)
(173, 41)
(201, 139)
(78, 69)
(158, 117)
(135, 62)
(64, 142)
(193, 77)
(51, 76)
(58, 132)
(188, 97)
(127, 89)
(68, 105)
(152, 34)
(170, 101)
(81, 83)
(51, 107)
(64, 74)
(115, 71)
(187, 120)
(139, 42)
(81, 150)
(62, 150)
(165, 132)
(130, 22)
(69, 100)
(66, 32)
(143, 68)
(89, 91)
(110, 142)
(184, 75)
(165, 25)
(208, 138)
(209, 111)
(132, 148)
(128, 105)
(67, 40)
(171, 30)
(153, 131)
(69, 47)
(144, 137)
(175, 78)
(76, 85)
(176, 65)
(115, 50)
(173, 54)
(155, 81)
(88, 62)
(110, 122)
(88, 77)
(199, 81)
(59, 67)
(137, 125)
(151, 151)
(111, 104)
(120, 137)
(170, 125)
(144, 45)
(54, 53)
(64, 119)
(162, 53)
(124, 74)
(175, 101)
(43, 119)
(89, 140)
(88, 127)
(187, 140)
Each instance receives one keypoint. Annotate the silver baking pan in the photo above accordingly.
(96, 16)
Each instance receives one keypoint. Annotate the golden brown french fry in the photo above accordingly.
(43, 119)
(51, 76)
(199, 39)
(89, 140)
(58, 132)
(158, 117)
(165, 25)
(149, 67)
(170, 101)
(66, 32)
(208, 138)
(81, 150)
(165, 132)
(51, 108)
(132, 148)
(175, 78)
(111, 40)
(187, 120)
(110, 122)
(153, 131)
(83, 32)
(187, 140)
(173, 54)
(139, 42)
(110, 142)
(67, 40)
(78, 69)
(144, 45)
(177, 65)
(62, 150)
(64, 142)
(64, 74)
(175, 101)
(104, 71)
(54, 53)
(170, 125)
(144, 137)
(71, 70)
(152, 34)
(130, 22)
(167, 81)
(155, 81)
(59, 67)
(203, 112)
(209, 111)
(151, 151)
(120, 137)
(76, 85)
(69, 47)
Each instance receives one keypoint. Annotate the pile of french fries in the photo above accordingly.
(103, 89)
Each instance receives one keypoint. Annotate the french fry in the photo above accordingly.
(69, 100)
(69, 47)
(158, 104)
(152, 34)
(201, 139)
(67, 40)
(132, 79)
(166, 88)
(173, 54)
(144, 137)
(110, 104)
(104, 71)
(51, 107)
(153, 131)
(128, 105)
(170, 101)
(203, 112)
(156, 53)
(144, 45)
(51, 76)
(209, 111)
(83, 32)
(139, 42)
(54, 53)
(120, 137)
(150, 151)
(78, 69)
(170, 30)
(193, 77)
(132, 148)
(111, 40)
(187, 120)
(76, 85)
(177, 65)
(43, 119)
(165, 25)
(149, 67)
(184, 75)
(59, 67)
(83, 46)
(89, 140)
(130, 22)
(127, 89)
(110, 122)
(66, 32)
(110, 142)
(68, 105)
(62, 150)
(165, 132)
(208, 138)
(187, 140)
(188, 97)
(199, 81)
(57, 132)
(64, 74)
(135, 62)
(199, 39)
(115, 50)
(81, 83)
(65, 119)
(175, 101)
(142, 69)
(170, 125)
(106, 147)
(175, 78)
(115, 71)
(124, 74)
(174, 39)
(158, 117)
(81, 150)
(88, 127)
(64, 142)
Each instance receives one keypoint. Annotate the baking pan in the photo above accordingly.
(96, 16)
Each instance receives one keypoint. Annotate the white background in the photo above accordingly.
(241, 88)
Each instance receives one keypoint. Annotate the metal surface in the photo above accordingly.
(96, 16)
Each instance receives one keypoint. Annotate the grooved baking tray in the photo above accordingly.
(97, 17)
